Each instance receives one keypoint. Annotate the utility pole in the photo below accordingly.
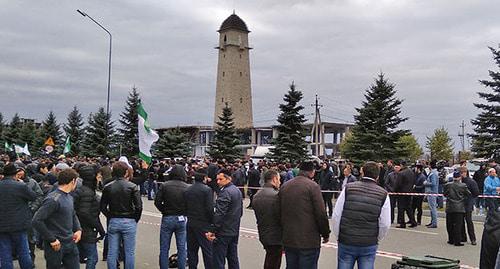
(317, 130)
(461, 134)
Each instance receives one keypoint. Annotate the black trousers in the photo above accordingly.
(393, 201)
(327, 198)
(489, 249)
(273, 257)
(416, 205)
(454, 227)
(252, 193)
(404, 206)
(195, 240)
(470, 227)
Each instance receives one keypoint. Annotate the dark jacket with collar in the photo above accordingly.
(405, 180)
(267, 212)
(199, 206)
(326, 179)
(170, 198)
(87, 209)
(33, 185)
(15, 214)
(456, 194)
(121, 199)
(303, 217)
(474, 190)
(228, 211)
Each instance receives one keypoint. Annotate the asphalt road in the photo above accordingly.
(417, 241)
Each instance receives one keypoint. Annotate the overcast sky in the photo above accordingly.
(52, 58)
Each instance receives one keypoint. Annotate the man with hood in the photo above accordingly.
(87, 209)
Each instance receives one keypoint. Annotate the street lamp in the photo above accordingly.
(109, 59)
(109, 63)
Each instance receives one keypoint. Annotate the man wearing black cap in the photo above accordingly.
(15, 219)
(199, 212)
(456, 194)
(303, 219)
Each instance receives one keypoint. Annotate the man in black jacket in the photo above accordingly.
(456, 194)
(226, 223)
(199, 211)
(266, 206)
(405, 181)
(253, 182)
(170, 201)
(469, 205)
(121, 203)
(15, 218)
(87, 209)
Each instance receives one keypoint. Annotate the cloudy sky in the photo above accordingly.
(52, 58)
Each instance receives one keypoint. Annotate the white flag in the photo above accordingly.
(147, 136)
(25, 150)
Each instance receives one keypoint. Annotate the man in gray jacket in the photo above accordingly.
(267, 212)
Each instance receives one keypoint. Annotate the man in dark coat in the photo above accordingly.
(15, 219)
(469, 205)
(326, 184)
(456, 194)
(199, 212)
(267, 212)
(303, 219)
(490, 242)
(253, 182)
(226, 223)
(405, 181)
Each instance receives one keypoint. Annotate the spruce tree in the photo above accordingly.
(74, 129)
(408, 148)
(290, 145)
(226, 140)
(95, 142)
(27, 134)
(375, 132)
(12, 131)
(440, 145)
(174, 143)
(2, 133)
(486, 139)
(128, 133)
(49, 128)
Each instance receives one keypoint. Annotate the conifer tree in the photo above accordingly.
(290, 145)
(226, 140)
(2, 133)
(174, 143)
(486, 137)
(128, 133)
(408, 148)
(375, 133)
(440, 145)
(74, 129)
(12, 131)
(50, 128)
(95, 142)
(27, 134)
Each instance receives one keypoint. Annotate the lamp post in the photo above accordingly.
(109, 65)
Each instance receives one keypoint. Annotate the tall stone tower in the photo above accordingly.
(233, 72)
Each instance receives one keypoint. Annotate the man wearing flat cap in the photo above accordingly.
(304, 220)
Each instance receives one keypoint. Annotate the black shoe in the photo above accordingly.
(432, 226)
(427, 225)
(449, 242)
(413, 225)
(419, 223)
(473, 243)
(401, 226)
(459, 245)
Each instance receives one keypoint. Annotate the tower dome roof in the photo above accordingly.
(234, 22)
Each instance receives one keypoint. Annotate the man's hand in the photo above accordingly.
(144, 165)
(77, 236)
(325, 240)
(56, 245)
(210, 236)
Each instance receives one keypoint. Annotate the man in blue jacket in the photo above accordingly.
(15, 219)
(226, 223)
(431, 187)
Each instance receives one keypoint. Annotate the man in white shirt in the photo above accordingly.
(361, 218)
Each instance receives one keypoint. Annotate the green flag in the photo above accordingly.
(8, 147)
(147, 136)
(67, 146)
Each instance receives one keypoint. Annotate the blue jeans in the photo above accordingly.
(301, 258)
(431, 200)
(225, 247)
(196, 239)
(67, 256)
(170, 225)
(348, 255)
(152, 189)
(19, 240)
(89, 251)
(121, 229)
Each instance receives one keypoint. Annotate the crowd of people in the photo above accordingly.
(56, 204)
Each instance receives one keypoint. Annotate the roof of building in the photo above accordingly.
(234, 22)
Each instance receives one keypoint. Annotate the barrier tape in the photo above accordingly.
(390, 193)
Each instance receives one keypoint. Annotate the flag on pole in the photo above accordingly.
(8, 147)
(25, 149)
(49, 142)
(147, 136)
(67, 146)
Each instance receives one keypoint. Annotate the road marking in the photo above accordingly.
(412, 231)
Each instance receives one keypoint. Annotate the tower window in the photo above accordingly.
(240, 56)
(241, 100)
(223, 74)
(222, 99)
(241, 74)
(223, 55)
(225, 38)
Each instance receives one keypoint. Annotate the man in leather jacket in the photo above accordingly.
(456, 194)
(121, 203)
(170, 201)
